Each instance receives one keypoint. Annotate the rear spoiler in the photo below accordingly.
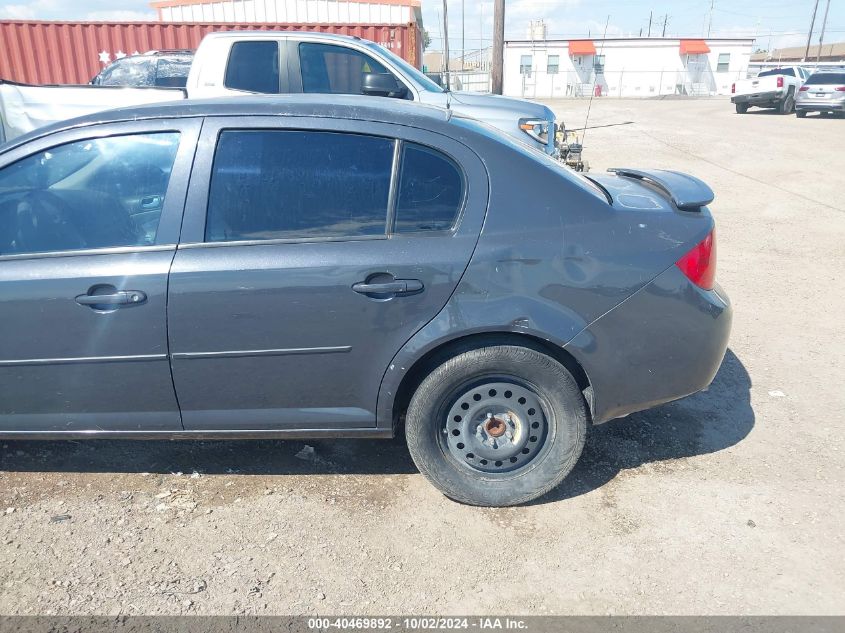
(687, 192)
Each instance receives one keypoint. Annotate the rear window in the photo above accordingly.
(827, 78)
(253, 67)
(790, 72)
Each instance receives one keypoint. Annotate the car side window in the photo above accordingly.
(130, 71)
(288, 184)
(96, 193)
(335, 69)
(253, 67)
(172, 72)
(430, 191)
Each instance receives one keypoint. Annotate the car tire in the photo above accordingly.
(741, 108)
(787, 106)
(497, 426)
(800, 113)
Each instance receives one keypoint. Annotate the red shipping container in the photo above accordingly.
(37, 52)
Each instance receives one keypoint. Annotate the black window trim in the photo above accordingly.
(392, 194)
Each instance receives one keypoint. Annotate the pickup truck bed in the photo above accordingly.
(775, 88)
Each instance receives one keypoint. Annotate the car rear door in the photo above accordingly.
(305, 266)
(89, 221)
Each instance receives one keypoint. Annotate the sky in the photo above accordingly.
(775, 23)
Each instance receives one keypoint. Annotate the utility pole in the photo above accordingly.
(710, 19)
(446, 41)
(665, 21)
(810, 34)
(463, 36)
(821, 35)
(497, 69)
(649, 22)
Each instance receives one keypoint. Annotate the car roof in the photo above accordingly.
(374, 109)
(284, 33)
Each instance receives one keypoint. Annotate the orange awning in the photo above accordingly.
(582, 47)
(694, 47)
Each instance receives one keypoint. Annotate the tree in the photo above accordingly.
(426, 39)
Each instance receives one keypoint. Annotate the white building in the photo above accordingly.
(291, 11)
(624, 67)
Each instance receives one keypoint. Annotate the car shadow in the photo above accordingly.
(767, 112)
(704, 423)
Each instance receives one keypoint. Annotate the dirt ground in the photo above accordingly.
(728, 502)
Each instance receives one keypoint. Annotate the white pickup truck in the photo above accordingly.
(229, 63)
(775, 88)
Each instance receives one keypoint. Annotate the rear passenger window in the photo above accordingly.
(253, 67)
(430, 191)
(282, 184)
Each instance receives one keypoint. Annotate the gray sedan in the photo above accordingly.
(822, 92)
(346, 267)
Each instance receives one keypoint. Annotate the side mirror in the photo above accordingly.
(383, 85)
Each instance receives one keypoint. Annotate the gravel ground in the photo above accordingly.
(728, 502)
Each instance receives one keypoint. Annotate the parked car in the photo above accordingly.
(232, 63)
(159, 69)
(341, 267)
(822, 92)
(775, 88)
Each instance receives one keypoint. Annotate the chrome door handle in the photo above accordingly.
(123, 297)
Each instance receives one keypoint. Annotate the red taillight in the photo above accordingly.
(803, 89)
(733, 88)
(780, 81)
(699, 265)
(840, 88)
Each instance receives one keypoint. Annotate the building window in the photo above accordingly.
(724, 63)
(598, 63)
(525, 63)
(553, 64)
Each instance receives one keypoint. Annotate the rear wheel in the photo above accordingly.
(741, 108)
(800, 113)
(497, 426)
(787, 105)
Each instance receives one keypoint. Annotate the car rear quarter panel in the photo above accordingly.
(552, 258)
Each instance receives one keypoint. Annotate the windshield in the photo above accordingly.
(425, 83)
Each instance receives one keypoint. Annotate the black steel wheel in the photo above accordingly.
(497, 426)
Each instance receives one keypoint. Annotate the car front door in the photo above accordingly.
(89, 220)
(312, 251)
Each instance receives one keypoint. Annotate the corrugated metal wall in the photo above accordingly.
(74, 52)
(289, 11)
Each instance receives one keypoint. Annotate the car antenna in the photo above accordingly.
(592, 94)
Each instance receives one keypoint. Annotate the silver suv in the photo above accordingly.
(822, 92)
